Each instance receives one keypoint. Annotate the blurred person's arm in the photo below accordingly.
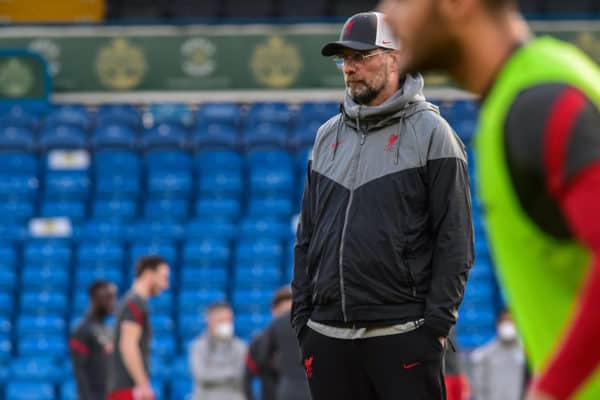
(301, 284)
(572, 170)
(131, 332)
(480, 383)
(79, 350)
(450, 210)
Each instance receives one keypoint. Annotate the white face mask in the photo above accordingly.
(224, 330)
(507, 331)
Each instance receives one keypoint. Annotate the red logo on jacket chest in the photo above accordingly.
(391, 142)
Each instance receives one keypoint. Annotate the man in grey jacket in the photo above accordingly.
(385, 239)
(217, 358)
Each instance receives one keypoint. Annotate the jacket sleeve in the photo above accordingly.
(452, 228)
(301, 285)
(80, 351)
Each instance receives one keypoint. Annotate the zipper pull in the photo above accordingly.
(414, 291)
(362, 139)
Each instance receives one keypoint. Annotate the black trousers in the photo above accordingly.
(399, 367)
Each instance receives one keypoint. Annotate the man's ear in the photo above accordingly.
(395, 60)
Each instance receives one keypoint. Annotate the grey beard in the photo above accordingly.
(365, 95)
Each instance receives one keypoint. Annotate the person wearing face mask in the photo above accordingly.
(499, 367)
(217, 358)
(90, 343)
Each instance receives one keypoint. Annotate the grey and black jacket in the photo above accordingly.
(385, 233)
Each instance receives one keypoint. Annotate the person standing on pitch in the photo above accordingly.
(128, 377)
(90, 343)
(385, 240)
(538, 161)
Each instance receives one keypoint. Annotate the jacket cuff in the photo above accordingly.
(299, 324)
(437, 327)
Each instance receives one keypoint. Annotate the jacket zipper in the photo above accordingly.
(345, 227)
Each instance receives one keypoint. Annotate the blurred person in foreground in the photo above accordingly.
(499, 366)
(90, 343)
(385, 240)
(276, 351)
(128, 377)
(538, 160)
(218, 358)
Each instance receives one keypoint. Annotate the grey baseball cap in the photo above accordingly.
(362, 32)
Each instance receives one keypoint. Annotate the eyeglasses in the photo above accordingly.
(356, 58)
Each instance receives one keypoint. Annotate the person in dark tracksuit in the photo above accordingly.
(385, 240)
(275, 355)
(90, 343)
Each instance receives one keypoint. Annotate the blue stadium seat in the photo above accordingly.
(479, 293)
(114, 209)
(38, 108)
(35, 277)
(118, 114)
(265, 134)
(169, 184)
(100, 252)
(70, 115)
(74, 210)
(273, 112)
(249, 325)
(68, 391)
(63, 137)
(227, 184)
(7, 304)
(304, 134)
(163, 346)
(19, 116)
(162, 325)
(204, 278)
(269, 159)
(102, 230)
(165, 248)
(16, 138)
(215, 136)
(208, 228)
(6, 350)
(154, 230)
(113, 136)
(40, 326)
(206, 253)
(168, 160)
(271, 207)
(38, 303)
(70, 185)
(191, 323)
(317, 111)
(8, 256)
(111, 161)
(271, 182)
(257, 278)
(8, 279)
(44, 252)
(164, 136)
(181, 368)
(28, 390)
(16, 210)
(482, 317)
(266, 250)
(172, 113)
(160, 369)
(219, 208)
(35, 369)
(252, 301)
(86, 275)
(181, 389)
(18, 162)
(162, 303)
(221, 113)
(218, 160)
(5, 326)
(195, 301)
(124, 184)
(266, 228)
(166, 210)
(18, 185)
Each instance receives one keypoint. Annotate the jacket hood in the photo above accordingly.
(406, 101)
